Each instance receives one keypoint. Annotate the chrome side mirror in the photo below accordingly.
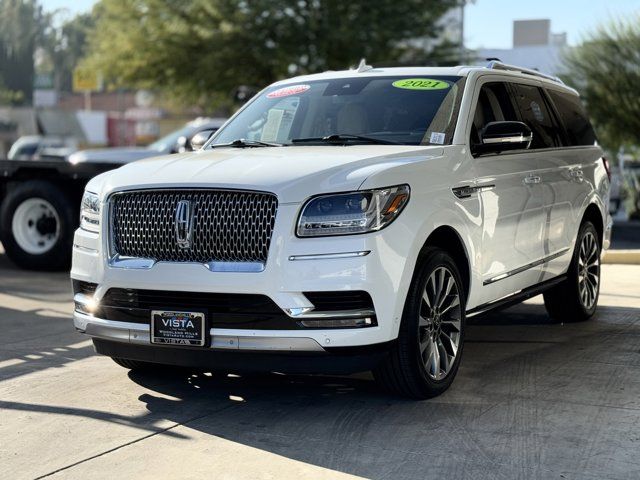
(500, 136)
(200, 138)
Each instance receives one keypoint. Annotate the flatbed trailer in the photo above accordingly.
(39, 209)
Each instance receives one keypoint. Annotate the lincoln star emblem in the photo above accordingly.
(184, 219)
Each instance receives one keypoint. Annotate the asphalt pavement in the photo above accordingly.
(533, 399)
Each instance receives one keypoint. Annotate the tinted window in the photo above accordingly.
(574, 117)
(534, 112)
(494, 104)
(404, 110)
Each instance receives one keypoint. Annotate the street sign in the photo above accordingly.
(86, 80)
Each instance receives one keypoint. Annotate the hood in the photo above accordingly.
(112, 155)
(292, 173)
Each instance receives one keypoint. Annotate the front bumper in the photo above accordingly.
(230, 353)
(380, 264)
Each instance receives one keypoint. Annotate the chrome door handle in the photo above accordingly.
(532, 179)
(577, 174)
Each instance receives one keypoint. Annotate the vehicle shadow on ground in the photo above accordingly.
(348, 424)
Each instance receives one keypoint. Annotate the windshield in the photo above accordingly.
(168, 142)
(403, 110)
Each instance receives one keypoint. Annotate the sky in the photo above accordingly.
(488, 23)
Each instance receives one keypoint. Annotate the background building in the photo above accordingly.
(534, 46)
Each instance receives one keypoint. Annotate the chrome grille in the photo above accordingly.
(228, 226)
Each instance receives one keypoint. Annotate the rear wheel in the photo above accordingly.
(36, 226)
(576, 298)
(425, 359)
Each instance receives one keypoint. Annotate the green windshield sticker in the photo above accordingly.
(421, 84)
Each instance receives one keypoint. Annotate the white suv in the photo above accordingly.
(349, 221)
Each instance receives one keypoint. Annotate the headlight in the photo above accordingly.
(90, 212)
(349, 213)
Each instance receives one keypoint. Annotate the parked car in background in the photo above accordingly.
(36, 147)
(39, 200)
(175, 142)
(615, 195)
(349, 221)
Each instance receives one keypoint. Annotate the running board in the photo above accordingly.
(515, 298)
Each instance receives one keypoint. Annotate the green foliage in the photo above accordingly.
(64, 46)
(203, 49)
(606, 71)
(20, 27)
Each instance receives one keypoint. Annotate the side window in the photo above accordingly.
(534, 112)
(574, 117)
(494, 104)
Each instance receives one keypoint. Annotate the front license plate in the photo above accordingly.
(177, 328)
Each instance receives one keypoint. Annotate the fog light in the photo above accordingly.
(85, 304)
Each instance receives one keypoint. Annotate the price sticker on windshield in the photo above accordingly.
(287, 91)
(421, 84)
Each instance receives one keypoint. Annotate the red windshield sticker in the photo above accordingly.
(286, 91)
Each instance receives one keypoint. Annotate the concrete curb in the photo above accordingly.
(622, 257)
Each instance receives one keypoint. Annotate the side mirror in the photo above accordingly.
(498, 137)
(182, 145)
(200, 138)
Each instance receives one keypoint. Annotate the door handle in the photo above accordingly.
(577, 174)
(532, 179)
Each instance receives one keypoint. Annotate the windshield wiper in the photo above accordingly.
(243, 143)
(342, 138)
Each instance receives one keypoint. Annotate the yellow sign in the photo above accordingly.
(86, 80)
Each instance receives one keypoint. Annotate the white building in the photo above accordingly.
(534, 46)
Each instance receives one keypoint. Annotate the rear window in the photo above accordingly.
(534, 112)
(574, 117)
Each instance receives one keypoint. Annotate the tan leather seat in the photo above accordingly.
(352, 118)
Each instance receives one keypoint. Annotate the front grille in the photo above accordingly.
(228, 225)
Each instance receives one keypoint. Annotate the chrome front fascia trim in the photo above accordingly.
(138, 334)
(328, 256)
(135, 263)
(85, 249)
(537, 263)
(308, 313)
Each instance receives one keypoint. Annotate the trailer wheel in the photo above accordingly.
(37, 220)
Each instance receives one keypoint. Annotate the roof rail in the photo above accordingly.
(496, 65)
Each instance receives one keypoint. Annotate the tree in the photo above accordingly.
(204, 49)
(606, 71)
(65, 46)
(20, 26)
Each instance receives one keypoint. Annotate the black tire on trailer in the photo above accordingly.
(37, 221)
(427, 354)
(576, 298)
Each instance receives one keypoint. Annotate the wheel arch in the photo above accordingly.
(448, 239)
(593, 214)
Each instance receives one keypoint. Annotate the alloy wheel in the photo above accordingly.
(440, 323)
(588, 270)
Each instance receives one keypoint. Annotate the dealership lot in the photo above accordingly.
(533, 399)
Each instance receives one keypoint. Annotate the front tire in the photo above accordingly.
(576, 298)
(37, 221)
(136, 365)
(427, 354)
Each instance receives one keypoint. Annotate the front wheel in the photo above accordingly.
(576, 298)
(425, 359)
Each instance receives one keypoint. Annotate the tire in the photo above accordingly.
(576, 298)
(135, 365)
(37, 221)
(410, 368)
